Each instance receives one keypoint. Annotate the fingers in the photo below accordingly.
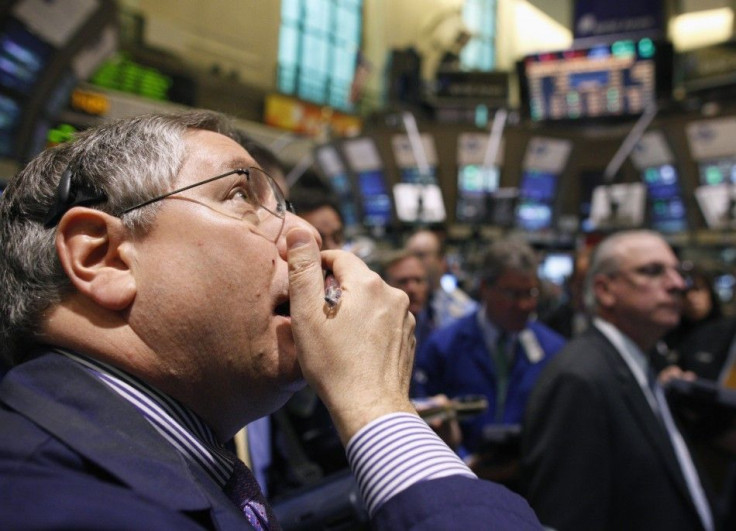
(306, 281)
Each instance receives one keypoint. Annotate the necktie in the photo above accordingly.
(501, 361)
(242, 488)
(683, 455)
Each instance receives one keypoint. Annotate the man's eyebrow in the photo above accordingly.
(236, 163)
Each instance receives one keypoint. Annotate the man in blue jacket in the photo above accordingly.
(157, 296)
(498, 351)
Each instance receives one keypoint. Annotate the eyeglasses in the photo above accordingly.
(658, 271)
(249, 198)
(518, 295)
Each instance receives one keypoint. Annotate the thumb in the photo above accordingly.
(306, 282)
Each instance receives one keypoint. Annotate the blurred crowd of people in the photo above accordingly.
(573, 417)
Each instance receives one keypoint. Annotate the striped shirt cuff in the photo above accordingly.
(394, 452)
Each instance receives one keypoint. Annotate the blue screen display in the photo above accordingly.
(532, 215)
(537, 185)
(22, 57)
(341, 185)
(664, 197)
(412, 176)
(376, 200)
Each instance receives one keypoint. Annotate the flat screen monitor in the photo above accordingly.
(536, 195)
(23, 57)
(376, 198)
(538, 186)
(618, 206)
(532, 215)
(329, 161)
(475, 184)
(717, 171)
(607, 80)
(666, 206)
(412, 175)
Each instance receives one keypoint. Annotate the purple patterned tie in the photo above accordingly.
(242, 488)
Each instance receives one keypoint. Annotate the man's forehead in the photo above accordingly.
(208, 151)
(643, 249)
(515, 277)
(408, 262)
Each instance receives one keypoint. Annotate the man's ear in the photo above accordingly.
(602, 291)
(92, 247)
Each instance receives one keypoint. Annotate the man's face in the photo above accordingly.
(410, 276)
(211, 287)
(426, 246)
(511, 299)
(328, 224)
(643, 298)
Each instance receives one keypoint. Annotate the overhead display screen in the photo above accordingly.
(607, 80)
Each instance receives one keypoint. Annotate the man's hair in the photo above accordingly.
(130, 160)
(606, 259)
(508, 254)
(438, 236)
(393, 257)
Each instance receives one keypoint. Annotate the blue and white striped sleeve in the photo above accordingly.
(394, 452)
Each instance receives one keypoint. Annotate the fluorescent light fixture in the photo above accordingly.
(701, 28)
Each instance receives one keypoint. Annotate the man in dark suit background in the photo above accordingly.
(599, 450)
(157, 296)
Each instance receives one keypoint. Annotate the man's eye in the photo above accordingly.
(652, 270)
(240, 194)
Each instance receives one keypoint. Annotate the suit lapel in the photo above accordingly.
(75, 407)
(654, 431)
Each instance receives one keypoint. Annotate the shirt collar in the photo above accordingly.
(179, 425)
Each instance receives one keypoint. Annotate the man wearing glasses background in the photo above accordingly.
(157, 296)
(498, 352)
(600, 449)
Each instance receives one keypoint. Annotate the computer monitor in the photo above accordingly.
(717, 171)
(364, 161)
(666, 206)
(616, 206)
(536, 197)
(332, 166)
(23, 57)
(377, 208)
(532, 215)
(475, 185)
(412, 175)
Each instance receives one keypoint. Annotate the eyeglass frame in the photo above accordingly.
(518, 295)
(68, 196)
(658, 271)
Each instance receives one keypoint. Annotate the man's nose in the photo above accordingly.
(291, 221)
(675, 280)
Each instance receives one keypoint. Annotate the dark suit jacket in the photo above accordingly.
(705, 350)
(455, 361)
(75, 455)
(594, 455)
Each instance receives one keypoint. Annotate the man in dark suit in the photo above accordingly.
(157, 296)
(497, 352)
(599, 448)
